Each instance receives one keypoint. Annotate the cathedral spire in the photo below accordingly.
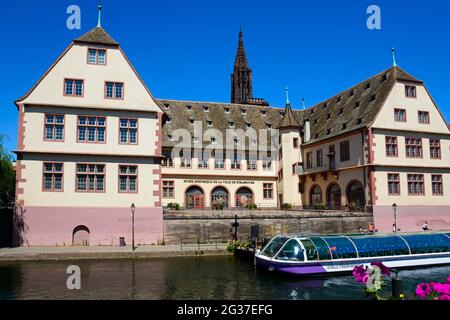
(241, 79)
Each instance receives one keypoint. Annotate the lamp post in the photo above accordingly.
(394, 207)
(133, 208)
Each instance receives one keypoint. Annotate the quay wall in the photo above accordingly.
(190, 227)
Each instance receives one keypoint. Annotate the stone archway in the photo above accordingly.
(81, 236)
(244, 197)
(315, 196)
(195, 198)
(219, 198)
(334, 197)
(356, 199)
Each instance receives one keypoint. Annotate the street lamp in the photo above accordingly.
(133, 208)
(394, 207)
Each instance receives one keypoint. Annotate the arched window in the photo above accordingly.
(315, 196)
(244, 197)
(334, 197)
(355, 195)
(219, 198)
(195, 198)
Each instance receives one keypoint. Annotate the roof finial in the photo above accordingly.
(99, 23)
(303, 103)
(394, 61)
(287, 95)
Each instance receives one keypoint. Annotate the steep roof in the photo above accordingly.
(289, 119)
(182, 113)
(97, 36)
(352, 109)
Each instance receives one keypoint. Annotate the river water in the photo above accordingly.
(224, 277)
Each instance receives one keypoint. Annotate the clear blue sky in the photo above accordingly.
(184, 49)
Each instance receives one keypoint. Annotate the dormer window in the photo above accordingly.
(188, 108)
(368, 86)
(249, 125)
(97, 56)
(169, 120)
(243, 112)
(315, 121)
(339, 99)
(209, 123)
(191, 121)
(410, 91)
(269, 126)
(263, 113)
(328, 116)
(341, 111)
(170, 137)
(384, 77)
(324, 106)
(213, 140)
(282, 113)
(205, 109)
(166, 106)
(328, 131)
(316, 136)
(357, 104)
(231, 124)
(359, 121)
(352, 93)
(344, 126)
(236, 140)
(195, 139)
(227, 110)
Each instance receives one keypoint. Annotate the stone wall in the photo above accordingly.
(212, 226)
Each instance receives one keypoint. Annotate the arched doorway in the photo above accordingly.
(244, 197)
(355, 195)
(334, 196)
(80, 236)
(219, 198)
(195, 198)
(315, 196)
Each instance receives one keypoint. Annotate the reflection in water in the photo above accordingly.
(182, 278)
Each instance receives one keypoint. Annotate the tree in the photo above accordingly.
(7, 176)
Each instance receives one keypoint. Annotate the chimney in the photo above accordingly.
(307, 131)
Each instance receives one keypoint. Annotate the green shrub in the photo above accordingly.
(286, 206)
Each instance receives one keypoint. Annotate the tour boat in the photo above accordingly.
(309, 255)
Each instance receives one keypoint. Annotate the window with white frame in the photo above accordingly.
(128, 131)
(91, 129)
(90, 177)
(128, 175)
(97, 56)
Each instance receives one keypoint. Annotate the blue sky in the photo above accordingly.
(184, 49)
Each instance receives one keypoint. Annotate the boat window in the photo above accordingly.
(341, 248)
(311, 252)
(380, 246)
(274, 246)
(291, 251)
(427, 243)
(322, 248)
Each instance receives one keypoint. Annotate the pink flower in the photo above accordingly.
(444, 297)
(384, 270)
(441, 288)
(359, 272)
(423, 290)
(448, 279)
(365, 278)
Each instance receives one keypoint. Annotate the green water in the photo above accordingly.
(182, 278)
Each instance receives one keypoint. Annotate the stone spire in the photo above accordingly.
(241, 78)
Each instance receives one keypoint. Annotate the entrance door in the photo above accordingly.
(199, 202)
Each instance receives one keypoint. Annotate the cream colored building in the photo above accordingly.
(89, 147)
(381, 142)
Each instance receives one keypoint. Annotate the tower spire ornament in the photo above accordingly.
(303, 103)
(99, 23)
(394, 61)
(287, 95)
